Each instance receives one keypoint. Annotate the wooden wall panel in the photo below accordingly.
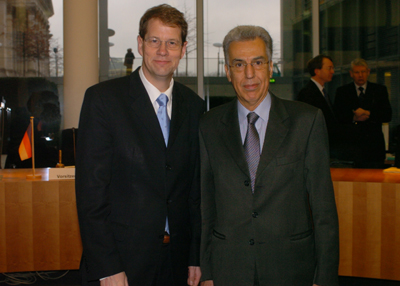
(369, 229)
(46, 225)
(39, 228)
(70, 238)
(3, 248)
(18, 217)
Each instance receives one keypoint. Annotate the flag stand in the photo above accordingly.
(33, 176)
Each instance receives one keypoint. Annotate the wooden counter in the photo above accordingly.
(38, 223)
(368, 204)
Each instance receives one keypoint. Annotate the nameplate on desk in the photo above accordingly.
(61, 173)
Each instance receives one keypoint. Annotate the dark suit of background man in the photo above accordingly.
(364, 106)
(138, 197)
(321, 70)
(275, 223)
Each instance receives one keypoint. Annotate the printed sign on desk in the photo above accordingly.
(61, 173)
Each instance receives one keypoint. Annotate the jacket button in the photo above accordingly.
(169, 201)
(168, 167)
(251, 241)
(247, 183)
(255, 214)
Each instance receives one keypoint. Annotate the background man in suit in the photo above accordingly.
(363, 106)
(321, 70)
(128, 62)
(137, 184)
(268, 208)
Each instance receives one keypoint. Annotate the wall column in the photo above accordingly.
(81, 68)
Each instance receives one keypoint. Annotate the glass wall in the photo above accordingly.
(219, 18)
(348, 29)
(31, 70)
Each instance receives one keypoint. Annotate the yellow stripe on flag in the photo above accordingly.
(25, 148)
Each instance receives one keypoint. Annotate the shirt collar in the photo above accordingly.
(320, 87)
(152, 91)
(262, 109)
(363, 86)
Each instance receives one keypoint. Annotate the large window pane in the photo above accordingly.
(30, 78)
(222, 16)
(367, 29)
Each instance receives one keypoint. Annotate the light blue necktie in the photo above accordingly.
(162, 116)
(164, 121)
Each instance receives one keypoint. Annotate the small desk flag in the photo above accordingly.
(25, 148)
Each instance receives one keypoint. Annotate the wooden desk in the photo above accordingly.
(368, 203)
(38, 223)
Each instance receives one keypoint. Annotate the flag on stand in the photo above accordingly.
(25, 148)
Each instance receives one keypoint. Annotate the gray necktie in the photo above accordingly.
(361, 97)
(252, 147)
(327, 98)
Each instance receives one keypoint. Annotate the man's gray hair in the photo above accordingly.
(247, 33)
(359, 62)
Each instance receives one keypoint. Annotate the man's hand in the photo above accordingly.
(207, 283)
(194, 276)
(361, 114)
(118, 279)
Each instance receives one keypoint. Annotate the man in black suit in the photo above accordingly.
(137, 183)
(321, 70)
(268, 207)
(362, 107)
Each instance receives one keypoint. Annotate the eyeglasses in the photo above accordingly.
(156, 43)
(239, 66)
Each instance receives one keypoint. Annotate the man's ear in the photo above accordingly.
(184, 47)
(228, 73)
(140, 45)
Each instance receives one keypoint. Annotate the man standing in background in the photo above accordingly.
(362, 106)
(128, 62)
(137, 169)
(321, 70)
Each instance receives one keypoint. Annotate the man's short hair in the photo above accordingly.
(247, 33)
(316, 63)
(359, 62)
(168, 15)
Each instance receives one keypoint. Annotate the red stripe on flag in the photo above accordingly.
(25, 148)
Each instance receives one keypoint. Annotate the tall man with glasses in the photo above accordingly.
(362, 107)
(268, 207)
(315, 93)
(137, 171)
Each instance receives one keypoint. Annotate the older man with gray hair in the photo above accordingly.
(362, 106)
(268, 209)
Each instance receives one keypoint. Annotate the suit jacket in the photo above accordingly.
(311, 94)
(365, 139)
(128, 181)
(271, 232)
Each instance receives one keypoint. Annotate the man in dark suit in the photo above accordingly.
(137, 183)
(268, 207)
(363, 106)
(321, 70)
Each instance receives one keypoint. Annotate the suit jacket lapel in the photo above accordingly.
(275, 134)
(230, 133)
(143, 108)
(179, 112)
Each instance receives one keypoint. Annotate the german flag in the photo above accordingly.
(25, 148)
